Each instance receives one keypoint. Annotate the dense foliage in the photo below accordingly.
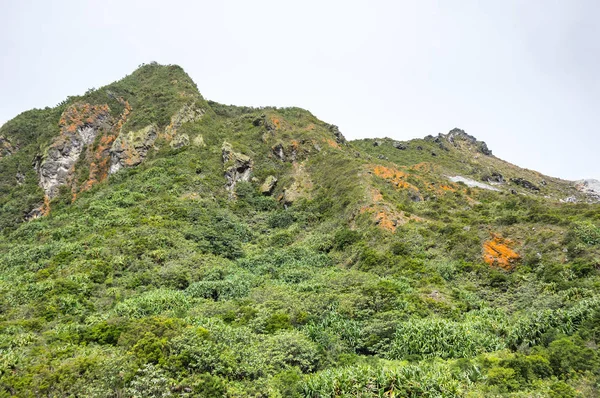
(155, 283)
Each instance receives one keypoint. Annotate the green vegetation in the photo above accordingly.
(345, 281)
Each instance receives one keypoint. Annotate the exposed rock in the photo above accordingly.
(238, 167)
(40, 211)
(180, 141)
(590, 187)
(259, 121)
(297, 150)
(131, 149)
(300, 187)
(377, 143)
(419, 148)
(80, 124)
(458, 137)
(278, 152)
(6, 148)
(188, 113)
(498, 251)
(570, 199)
(524, 183)
(494, 178)
(339, 137)
(20, 177)
(472, 183)
(433, 154)
(269, 185)
(199, 141)
(399, 145)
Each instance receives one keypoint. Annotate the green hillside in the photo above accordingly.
(156, 244)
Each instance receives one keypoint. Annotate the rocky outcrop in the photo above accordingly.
(498, 251)
(132, 148)
(269, 185)
(524, 183)
(339, 137)
(590, 187)
(188, 113)
(237, 166)
(180, 141)
(458, 138)
(6, 148)
(300, 187)
(80, 124)
(494, 178)
(399, 145)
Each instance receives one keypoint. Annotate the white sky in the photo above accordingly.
(521, 75)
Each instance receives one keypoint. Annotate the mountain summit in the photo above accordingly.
(154, 243)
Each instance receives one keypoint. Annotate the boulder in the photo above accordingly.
(269, 185)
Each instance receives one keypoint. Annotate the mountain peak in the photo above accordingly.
(459, 137)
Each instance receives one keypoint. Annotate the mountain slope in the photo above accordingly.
(158, 244)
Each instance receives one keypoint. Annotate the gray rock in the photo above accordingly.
(56, 167)
(269, 185)
(524, 183)
(456, 135)
(399, 145)
(339, 137)
(238, 167)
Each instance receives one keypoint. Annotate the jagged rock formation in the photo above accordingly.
(80, 124)
(132, 148)
(237, 166)
(458, 137)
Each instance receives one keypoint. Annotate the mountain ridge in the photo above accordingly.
(155, 243)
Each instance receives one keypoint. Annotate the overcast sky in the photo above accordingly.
(520, 75)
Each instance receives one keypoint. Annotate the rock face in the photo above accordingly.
(458, 137)
(590, 187)
(300, 187)
(267, 187)
(132, 148)
(238, 167)
(80, 124)
(498, 251)
(339, 137)
(188, 113)
(180, 141)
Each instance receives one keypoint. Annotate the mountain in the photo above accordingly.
(155, 244)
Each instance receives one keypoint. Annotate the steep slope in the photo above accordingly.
(157, 244)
